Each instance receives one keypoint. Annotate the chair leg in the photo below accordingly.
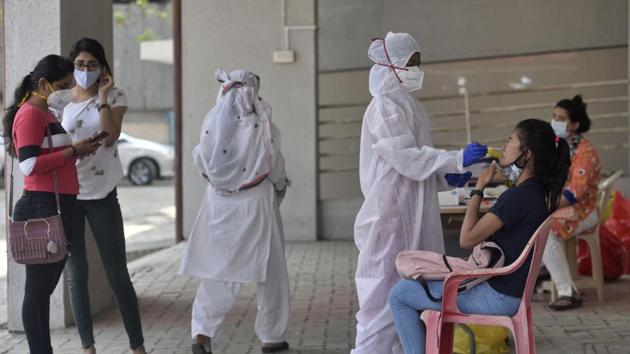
(431, 342)
(596, 266)
(553, 291)
(447, 334)
(524, 340)
(570, 250)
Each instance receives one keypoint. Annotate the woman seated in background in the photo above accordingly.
(537, 162)
(578, 211)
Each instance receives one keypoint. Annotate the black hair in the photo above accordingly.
(576, 108)
(93, 47)
(551, 157)
(52, 68)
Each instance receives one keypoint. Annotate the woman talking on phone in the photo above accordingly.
(94, 109)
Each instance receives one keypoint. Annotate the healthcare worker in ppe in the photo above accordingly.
(401, 173)
(238, 237)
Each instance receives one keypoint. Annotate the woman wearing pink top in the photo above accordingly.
(25, 125)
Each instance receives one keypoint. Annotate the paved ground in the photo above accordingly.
(148, 212)
(323, 304)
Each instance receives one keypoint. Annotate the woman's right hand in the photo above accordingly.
(486, 176)
(85, 147)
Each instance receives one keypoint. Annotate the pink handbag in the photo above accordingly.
(37, 241)
(428, 265)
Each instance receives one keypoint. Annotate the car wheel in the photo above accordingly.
(142, 172)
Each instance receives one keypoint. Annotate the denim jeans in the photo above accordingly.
(41, 279)
(408, 297)
(106, 224)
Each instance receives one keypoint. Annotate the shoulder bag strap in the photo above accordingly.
(54, 171)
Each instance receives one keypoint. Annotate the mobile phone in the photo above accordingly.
(99, 136)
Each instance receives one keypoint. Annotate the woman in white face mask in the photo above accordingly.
(578, 205)
(94, 105)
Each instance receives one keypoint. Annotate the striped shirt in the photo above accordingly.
(31, 146)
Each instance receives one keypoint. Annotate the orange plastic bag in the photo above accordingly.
(614, 255)
(619, 225)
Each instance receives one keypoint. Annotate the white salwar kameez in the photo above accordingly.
(238, 236)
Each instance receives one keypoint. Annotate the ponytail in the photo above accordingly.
(551, 157)
(22, 93)
(52, 68)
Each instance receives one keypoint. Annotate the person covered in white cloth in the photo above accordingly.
(400, 174)
(238, 236)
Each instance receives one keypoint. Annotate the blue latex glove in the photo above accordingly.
(457, 179)
(473, 152)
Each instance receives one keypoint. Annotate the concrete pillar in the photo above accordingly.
(244, 34)
(33, 29)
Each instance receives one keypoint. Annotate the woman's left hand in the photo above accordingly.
(486, 176)
(105, 84)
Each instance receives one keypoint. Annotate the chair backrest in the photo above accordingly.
(605, 188)
(535, 246)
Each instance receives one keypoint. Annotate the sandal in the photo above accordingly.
(276, 347)
(564, 303)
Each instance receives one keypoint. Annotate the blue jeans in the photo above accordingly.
(107, 227)
(408, 297)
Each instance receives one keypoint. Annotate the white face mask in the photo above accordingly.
(412, 78)
(59, 99)
(513, 171)
(560, 128)
(86, 78)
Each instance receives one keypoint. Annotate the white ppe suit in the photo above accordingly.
(400, 175)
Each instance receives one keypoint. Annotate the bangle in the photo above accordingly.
(104, 105)
(475, 192)
(74, 150)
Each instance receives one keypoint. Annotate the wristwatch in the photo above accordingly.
(476, 192)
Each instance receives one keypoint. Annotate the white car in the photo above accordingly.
(143, 160)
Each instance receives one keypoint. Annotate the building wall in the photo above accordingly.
(149, 85)
(244, 34)
(565, 47)
(455, 29)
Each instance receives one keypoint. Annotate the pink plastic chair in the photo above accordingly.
(440, 324)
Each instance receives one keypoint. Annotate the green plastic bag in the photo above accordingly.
(608, 209)
(488, 339)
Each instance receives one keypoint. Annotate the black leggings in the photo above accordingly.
(41, 279)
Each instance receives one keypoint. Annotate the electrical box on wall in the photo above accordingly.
(283, 56)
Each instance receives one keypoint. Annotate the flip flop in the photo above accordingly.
(564, 303)
(276, 347)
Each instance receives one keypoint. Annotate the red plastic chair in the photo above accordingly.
(440, 324)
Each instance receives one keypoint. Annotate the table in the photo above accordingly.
(453, 215)
(486, 204)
